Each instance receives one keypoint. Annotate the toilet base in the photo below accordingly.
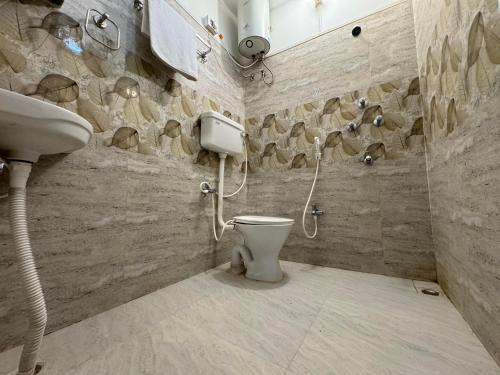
(237, 269)
(265, 268)
(270, 277)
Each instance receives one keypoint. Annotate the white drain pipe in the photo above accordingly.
(19, 173)
(207, 189)
(220, 195)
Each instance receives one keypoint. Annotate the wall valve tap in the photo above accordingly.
(316, 211)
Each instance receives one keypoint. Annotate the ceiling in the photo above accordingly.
(233, 4)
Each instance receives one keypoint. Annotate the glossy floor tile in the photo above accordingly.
(316, 321)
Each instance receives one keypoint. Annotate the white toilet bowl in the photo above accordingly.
(264, 237)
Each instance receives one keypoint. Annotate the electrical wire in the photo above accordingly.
(270, 71)
(238, 64)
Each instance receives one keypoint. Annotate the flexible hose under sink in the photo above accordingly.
(19, 173)
(311, 236)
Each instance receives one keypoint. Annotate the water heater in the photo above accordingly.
(253, 28)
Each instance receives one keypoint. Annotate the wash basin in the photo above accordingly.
(30, 127)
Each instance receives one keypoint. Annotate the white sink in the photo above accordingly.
(30, 127)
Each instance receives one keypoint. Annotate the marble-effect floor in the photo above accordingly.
(317, 321)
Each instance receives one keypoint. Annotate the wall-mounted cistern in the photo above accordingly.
(30, 128)
(315, 212)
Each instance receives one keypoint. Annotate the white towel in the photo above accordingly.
(173, 40)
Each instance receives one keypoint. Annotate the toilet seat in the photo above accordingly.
(262, 220)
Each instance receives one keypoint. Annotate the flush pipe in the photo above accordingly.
(207, 189)
(220, 193)
(19, 173)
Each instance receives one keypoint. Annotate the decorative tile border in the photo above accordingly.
(285, 139)
(131, 103)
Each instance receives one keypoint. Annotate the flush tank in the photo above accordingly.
(221, 134)
(253, 28)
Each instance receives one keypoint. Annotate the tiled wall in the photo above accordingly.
(376, 218)
(335, 63)
(458, 44)
(124, 216)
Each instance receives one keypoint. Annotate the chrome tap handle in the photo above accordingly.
(352, 127)
(363, 103)
(378, 121)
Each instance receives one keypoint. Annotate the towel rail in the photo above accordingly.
(139, 6)
(101, 20)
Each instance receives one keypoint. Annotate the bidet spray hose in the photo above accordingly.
(317, 156)
(311, 236)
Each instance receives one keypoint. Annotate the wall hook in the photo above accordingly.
(378, 121)
(101, 21)
(352, 127)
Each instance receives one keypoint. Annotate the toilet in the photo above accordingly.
(264, 236)
(258, 256)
